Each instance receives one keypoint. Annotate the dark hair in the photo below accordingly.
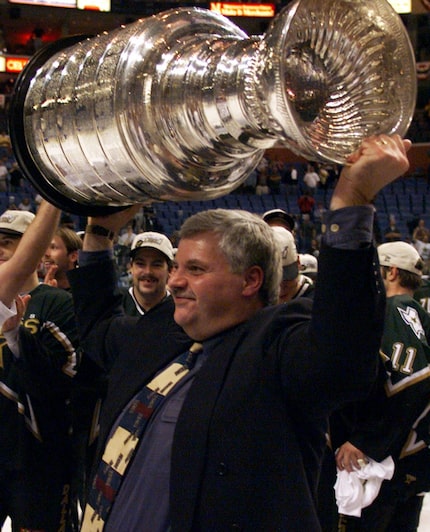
(409, 280)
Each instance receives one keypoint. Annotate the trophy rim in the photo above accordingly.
(18, 137)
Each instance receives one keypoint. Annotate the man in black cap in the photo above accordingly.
(278, 217)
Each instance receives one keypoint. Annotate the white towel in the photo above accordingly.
(358, 489)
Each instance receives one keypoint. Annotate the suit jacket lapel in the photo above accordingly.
(188, 453)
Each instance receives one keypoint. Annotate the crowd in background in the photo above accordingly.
(303, 189)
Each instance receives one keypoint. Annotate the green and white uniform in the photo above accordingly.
(35, 386)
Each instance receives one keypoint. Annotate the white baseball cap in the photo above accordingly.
(402, 255)
(15, 222)
(308, 263)
(287, 246)
(150, 239)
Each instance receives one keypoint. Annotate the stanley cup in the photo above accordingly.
(182, 105)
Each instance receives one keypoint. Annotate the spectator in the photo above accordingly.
(123, 246)
(421, 232)
(25, 205)
(311, 180)
(292, 180)
(306, 204)
(126, 237)
(306, 234)
(262, 174)
(4, 175)
(392, 232)
(274, 178)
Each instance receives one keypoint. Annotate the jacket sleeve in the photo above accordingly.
(49, 349)
(98, 302)
(334, 358)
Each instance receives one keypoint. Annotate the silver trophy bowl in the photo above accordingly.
(182, 105)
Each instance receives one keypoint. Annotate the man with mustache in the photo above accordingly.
(151, 258)
(234, 440)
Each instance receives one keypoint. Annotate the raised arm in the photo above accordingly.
(348, 309)
(33, 244)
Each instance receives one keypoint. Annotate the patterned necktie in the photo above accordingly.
(122, 444)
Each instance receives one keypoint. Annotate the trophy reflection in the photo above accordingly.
(183, 104)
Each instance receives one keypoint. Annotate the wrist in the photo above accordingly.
(347, 198)
(99, 230)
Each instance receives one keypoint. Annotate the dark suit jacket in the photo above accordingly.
(249, 437)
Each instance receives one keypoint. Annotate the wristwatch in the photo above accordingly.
(100, 231)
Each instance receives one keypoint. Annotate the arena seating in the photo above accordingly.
(408, 199)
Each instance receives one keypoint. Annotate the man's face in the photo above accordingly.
(208, 296)
(149, 271)
(8, 246)
(57, 254)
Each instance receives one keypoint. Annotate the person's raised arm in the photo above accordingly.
(28, 254)
(349, 299)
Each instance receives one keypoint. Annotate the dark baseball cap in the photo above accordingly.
(280, 215)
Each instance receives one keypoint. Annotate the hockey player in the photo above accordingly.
(386, 424)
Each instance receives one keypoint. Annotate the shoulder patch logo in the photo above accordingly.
(411, 317)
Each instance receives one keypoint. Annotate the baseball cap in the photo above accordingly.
(150, 239)
(15, 222)
(308, 263)
(402, 255)
(282, 216)
(287, 246)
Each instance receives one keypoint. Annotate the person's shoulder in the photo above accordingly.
(401, 299)
(284, 315)
(51, 292)
(403, 304)
(166, 305)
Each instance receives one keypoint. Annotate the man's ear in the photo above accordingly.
(253, 278)
(74, 255)
(392, 273)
